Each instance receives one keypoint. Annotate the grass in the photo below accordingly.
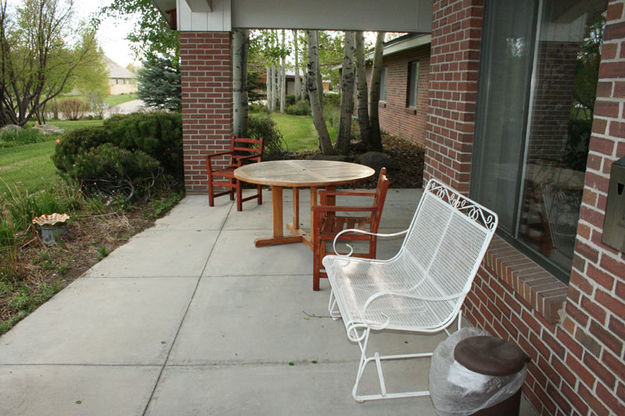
(299, 131)
(111, 100)
(28, 167)
(70, 125)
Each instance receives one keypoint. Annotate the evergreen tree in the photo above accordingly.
(159, 83)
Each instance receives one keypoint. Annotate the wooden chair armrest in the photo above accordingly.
(211, 155)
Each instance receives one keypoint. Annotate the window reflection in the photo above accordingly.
(565, 76)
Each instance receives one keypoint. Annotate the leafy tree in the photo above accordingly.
(151, 36)
(159, 83)
(39, 60)
(92, 82)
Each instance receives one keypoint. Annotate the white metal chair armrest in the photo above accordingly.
(355, 230)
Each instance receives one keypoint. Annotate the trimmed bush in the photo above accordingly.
(77, 142)
(263, 126)
(300, 108)
(159, 134)
(111, 170)
(126, 155)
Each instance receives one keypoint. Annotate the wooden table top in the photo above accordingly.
(303, 173)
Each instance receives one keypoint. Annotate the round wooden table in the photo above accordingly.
(297, 174)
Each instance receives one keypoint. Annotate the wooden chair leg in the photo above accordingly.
(319, 252)
(232, 189)
(211, 192)
(239, 196)
(259, 189)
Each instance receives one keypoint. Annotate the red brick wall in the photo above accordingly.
(577, 352)
(454, 64)
(395, 116)
(206, 101)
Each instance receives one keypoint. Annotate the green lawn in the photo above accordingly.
(70, 125)
(298, 131)
(28, 167)
(110, 100)
(113, 100)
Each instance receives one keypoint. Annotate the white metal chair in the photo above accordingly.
(422, 288)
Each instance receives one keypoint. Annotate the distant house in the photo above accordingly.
(404, 92)
(121, 80)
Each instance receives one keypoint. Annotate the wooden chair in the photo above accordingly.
(242, 152)
(326, 224)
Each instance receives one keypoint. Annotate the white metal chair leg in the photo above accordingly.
(333, 308)
(364, 360)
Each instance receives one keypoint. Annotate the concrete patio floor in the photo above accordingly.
(189, 318)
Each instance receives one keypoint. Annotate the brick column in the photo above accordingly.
(206, 66)
(596, 303)
(454, 65)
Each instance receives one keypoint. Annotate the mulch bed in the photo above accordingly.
(88, 240)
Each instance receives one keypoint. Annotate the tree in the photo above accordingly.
(159, 83)
(39, 60)
(152, 35)
(375, 138)
(361, 87)
(298, 81)
(283, 71)
(314, 88)
(92, 82)
(240, 46)
(347, 95)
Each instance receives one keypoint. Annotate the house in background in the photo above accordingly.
(404, 96)
(121, 80)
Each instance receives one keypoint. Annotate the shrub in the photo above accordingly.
(257, 108)
(301, 108)
(20, 137)
(76, 142)
(72, 108)
(111, 170)
(159, 134)
(263, 126)
(101, 158)
(290, 100)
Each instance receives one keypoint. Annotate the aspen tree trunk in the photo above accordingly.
(269, 87)
(347, 95)
(375, 139)
(283, 73)
(297, 87)
(361, 87)
(313, 85)
(240, 46)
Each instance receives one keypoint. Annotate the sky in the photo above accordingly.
(111, 34)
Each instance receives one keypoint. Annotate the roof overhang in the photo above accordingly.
(225, 15)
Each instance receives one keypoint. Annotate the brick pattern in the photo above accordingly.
(206, 67)
(578, 356)
(395, 116)
(454, 65)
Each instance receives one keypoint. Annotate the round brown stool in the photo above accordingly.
(493, 357)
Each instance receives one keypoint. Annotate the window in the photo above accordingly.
(534, 119)
(383, 84)
(413, 81)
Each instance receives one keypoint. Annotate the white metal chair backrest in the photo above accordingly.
(447, 239)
